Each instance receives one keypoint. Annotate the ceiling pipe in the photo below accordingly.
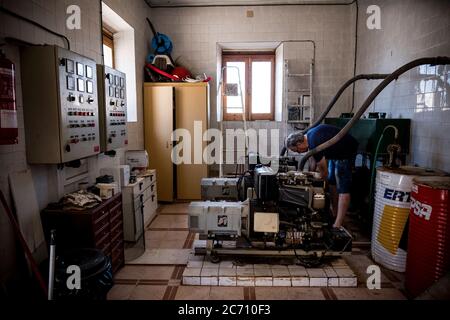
(273, 4)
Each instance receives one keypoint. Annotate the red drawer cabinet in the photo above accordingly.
(100, 227)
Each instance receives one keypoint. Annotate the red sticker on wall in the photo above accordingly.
(96, 148)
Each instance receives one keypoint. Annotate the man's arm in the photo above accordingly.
(322, 167)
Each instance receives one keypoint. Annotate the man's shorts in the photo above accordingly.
(340, 174)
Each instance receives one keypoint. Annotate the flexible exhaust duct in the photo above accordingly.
(336, 97)
(393, 76)
(339, 93)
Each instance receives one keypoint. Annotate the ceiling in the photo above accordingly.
(196, 3)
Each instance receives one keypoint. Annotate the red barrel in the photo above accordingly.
(429, 233)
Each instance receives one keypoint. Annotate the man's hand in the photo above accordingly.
(322, 167)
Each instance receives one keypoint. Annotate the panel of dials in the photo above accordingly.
(60, 105)
(113, 108)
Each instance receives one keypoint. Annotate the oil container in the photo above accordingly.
(429, 233)
(390, 221)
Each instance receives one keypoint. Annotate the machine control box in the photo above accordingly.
(60, 105)
(219, 189)
(217, 217)
(113, 108)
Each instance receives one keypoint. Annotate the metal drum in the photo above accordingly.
(429, 233)
(392, 204)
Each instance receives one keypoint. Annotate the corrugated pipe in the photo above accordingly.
(374, 76)
(393, 76)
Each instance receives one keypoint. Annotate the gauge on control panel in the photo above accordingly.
(80, 69)
(69, 66)
(110, 78)
(89, 87)
(89, 73)
(80, 85)
(70, 83)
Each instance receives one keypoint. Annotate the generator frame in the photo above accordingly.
(214, 253)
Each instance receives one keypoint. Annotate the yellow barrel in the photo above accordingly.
(391, 212)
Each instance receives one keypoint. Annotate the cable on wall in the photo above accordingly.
(34, 23)
(101, 33)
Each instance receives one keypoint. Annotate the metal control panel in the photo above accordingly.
(113, 108)
(60, 105)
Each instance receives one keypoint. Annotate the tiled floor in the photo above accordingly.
(158, 273)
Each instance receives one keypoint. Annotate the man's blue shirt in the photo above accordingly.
(344, 149)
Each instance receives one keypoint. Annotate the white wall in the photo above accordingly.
(87, 41)
(411, 29)
(196, 31)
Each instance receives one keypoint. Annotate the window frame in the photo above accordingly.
(108, 40)
(248, 58)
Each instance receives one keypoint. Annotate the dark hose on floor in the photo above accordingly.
(393, 76)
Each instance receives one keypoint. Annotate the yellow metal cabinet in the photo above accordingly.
(170, 106)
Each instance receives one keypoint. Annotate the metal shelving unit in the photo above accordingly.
(298, 112)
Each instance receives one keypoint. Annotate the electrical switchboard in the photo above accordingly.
(112, 108)
(60, 105)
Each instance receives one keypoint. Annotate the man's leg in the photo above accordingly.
(343, 184)
(332, 184)
(334, 200)
(344, 203)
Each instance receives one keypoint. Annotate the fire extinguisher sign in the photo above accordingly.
(8, 119)
(8, 114)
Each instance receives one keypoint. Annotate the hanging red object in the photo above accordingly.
(429, 233)
(8, 111)
(161, 72)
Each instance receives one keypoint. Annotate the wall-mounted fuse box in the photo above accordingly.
(60, 105)
(113, 108)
